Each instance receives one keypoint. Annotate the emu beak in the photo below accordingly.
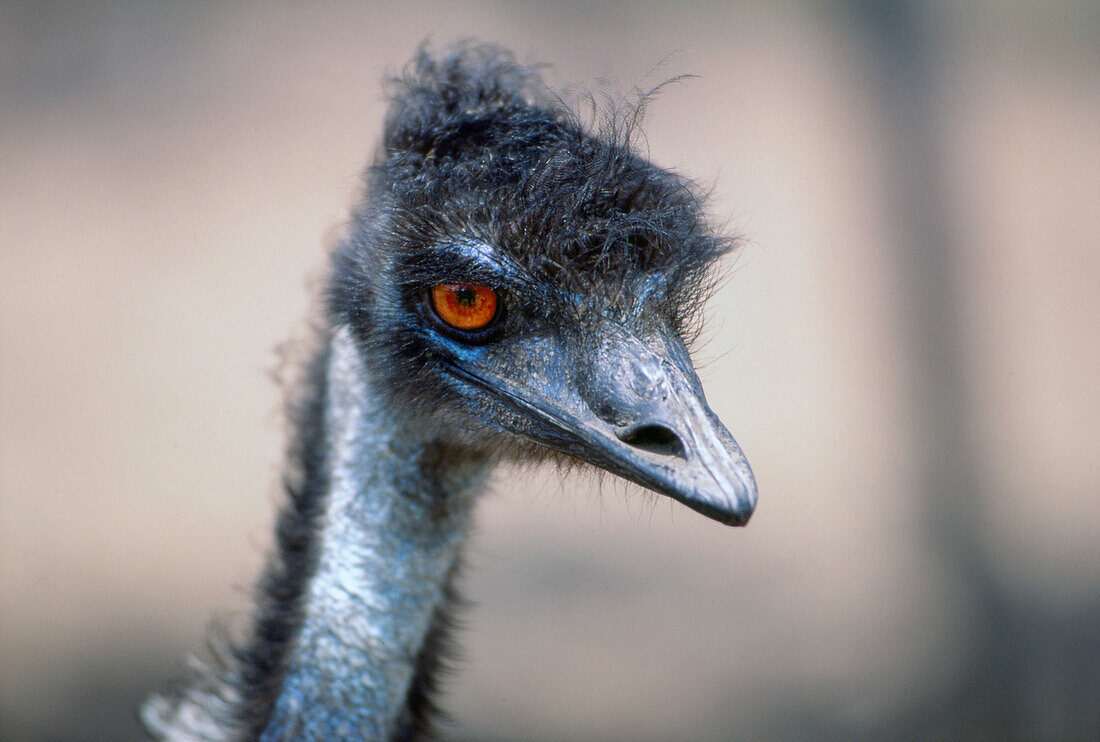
(635, 408)
(649, 422)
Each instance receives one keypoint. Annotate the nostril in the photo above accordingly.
(654, 438)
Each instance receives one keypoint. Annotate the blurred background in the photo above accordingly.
(907, 348)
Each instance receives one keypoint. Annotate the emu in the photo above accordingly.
(513, 287)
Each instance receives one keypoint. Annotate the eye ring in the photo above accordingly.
(465, 310)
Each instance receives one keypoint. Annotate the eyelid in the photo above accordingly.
(459, 271)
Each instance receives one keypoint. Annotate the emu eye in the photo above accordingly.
(464, 306)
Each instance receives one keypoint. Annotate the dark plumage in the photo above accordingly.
(598, 262)
(475, 146)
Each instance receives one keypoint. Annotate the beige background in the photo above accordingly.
(170, 176)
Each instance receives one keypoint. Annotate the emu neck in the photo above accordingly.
(394, 515)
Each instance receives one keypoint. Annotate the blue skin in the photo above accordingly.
(389, 538)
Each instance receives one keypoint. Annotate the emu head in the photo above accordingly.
(529, 287)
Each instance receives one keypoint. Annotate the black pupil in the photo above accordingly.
(466, 297)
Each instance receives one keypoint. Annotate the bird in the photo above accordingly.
(516, 284)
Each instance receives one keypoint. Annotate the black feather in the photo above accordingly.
(476, 148)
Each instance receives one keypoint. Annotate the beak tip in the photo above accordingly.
(740, 515)
(731, 513)
(740, 503)
(742, 506)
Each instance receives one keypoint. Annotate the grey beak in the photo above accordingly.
(635, 408)
(653, 426)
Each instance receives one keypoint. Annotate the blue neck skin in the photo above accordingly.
(389, 537)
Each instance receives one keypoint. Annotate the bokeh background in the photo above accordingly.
(907, 347)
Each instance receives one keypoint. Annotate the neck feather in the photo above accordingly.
(388, 533)
(353, 607)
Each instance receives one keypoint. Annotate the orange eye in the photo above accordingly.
(464, 306)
